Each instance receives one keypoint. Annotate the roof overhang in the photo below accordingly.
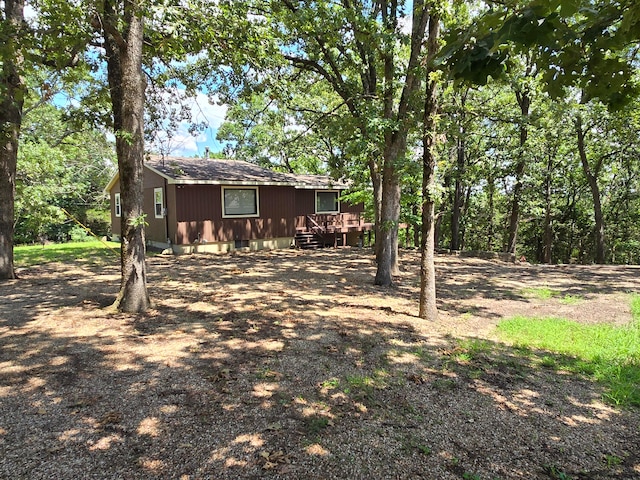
(248, 183)
(112, 182)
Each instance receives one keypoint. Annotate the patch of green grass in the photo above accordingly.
(612, 461)
(475, 347)
(571, 299)
(331, 383)
(95, 252)
(555, 472)
(423, 354)
(471, 476)
(541, 293)
(608, 353)
(317, 423)
(635, 307)
(368, 383)
(548, 362)
(443, 384)
(415, 443)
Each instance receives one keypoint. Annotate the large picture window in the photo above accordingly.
(116, 204)
(158, 203)
(240, 202)
(327, 202)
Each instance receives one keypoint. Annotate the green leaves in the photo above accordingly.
(59, 166)
(578, 43)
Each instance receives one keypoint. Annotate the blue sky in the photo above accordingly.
(182, 143)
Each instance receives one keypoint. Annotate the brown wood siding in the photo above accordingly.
(195, 212)
(199, 215)
(305, 202)
(171, 212)
(156, 229)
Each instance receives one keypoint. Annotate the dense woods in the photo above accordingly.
(522, 117)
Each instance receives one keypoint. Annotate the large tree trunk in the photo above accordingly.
(387, 243)
(127, 86)
(524, 102)
(12, 92)
(428, 307)
(592, 178)
(395, 140)
(376, 181)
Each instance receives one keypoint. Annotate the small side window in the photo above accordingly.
(158, 203)
(116, 204)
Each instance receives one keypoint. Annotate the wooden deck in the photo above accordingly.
(317, 230)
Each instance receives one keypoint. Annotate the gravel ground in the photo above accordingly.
(292, 365)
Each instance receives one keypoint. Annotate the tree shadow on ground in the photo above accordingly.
(270, 366)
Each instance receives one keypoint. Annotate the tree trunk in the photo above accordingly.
(395, 140)
(127, 86)
(387, 243)
(547, 235)
(458, 202)
(12, 91)
(592, 179)
(376, 181)
(524, 102)
(457, 198)
(428, 307)
(491, 186)
(416, 227)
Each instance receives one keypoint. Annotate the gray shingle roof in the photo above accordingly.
(217, 171)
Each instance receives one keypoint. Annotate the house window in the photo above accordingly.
(116, 205)
(240, 202)
(158, 204)
(327, 202)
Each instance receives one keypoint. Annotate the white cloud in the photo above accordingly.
(181, 141)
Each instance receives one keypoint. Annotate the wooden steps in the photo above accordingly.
(308, 240)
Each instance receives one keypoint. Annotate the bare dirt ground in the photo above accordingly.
(292, 365)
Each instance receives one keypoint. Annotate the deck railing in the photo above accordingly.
(314, 226)
(328, 223)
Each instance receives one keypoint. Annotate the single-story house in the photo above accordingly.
(214, 205)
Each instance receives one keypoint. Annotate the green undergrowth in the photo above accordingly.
(610, 354)
(541, 293)
(95, 252)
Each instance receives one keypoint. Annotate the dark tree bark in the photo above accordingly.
(396, 140)
(13, 90)
(547, 234)
(458, 194)
(524, 102)
(416, 227)
(491, 186)
(592, 178)
(387, 250)
(376, 181)
(127, 86)
(428, 307)
(456, 214)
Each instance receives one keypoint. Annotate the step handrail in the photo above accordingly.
(315, 226)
